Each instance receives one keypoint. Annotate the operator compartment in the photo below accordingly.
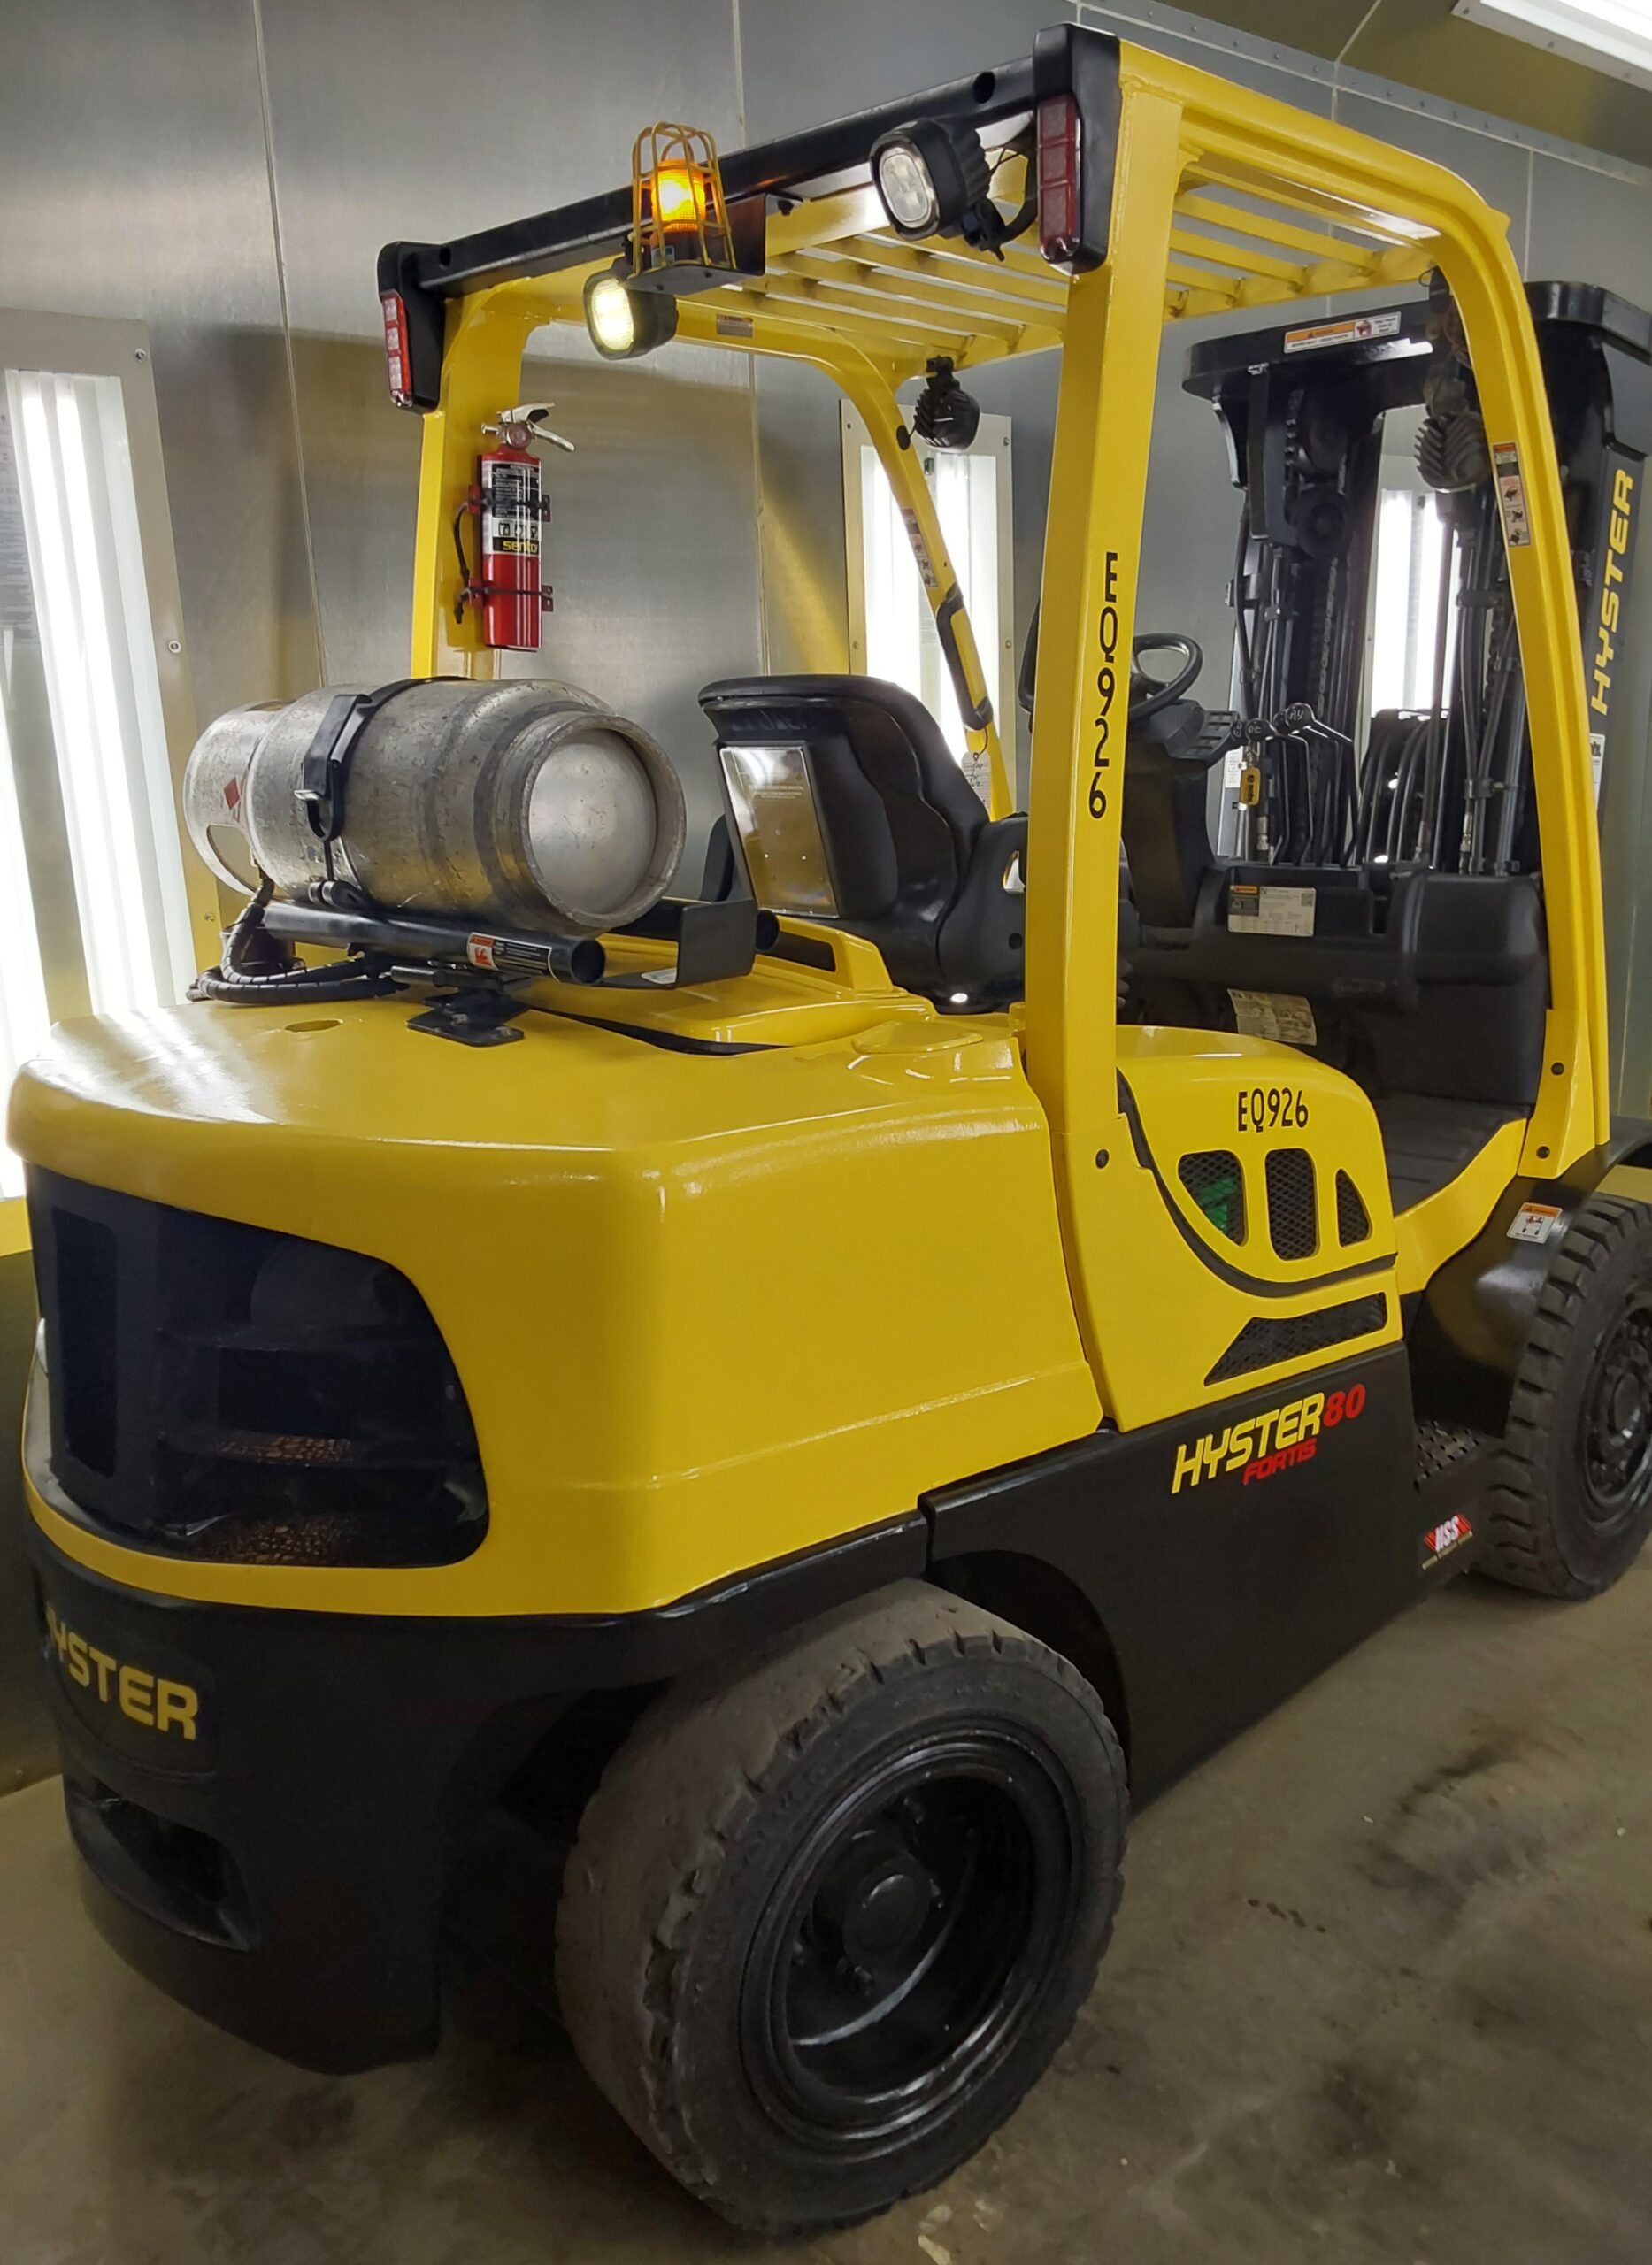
(1373, 893)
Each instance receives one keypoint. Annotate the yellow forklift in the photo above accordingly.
(824, 1386)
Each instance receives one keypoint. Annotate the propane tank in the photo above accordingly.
(527, 802)
(509, 504)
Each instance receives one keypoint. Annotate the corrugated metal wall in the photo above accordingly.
(225, 170)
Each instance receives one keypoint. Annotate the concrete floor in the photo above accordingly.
(1382, 1989)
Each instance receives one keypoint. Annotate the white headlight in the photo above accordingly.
(907, 190)
(610, 316)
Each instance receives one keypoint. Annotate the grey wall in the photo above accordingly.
(225, 170)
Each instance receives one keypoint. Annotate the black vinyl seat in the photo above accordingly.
(912, 861)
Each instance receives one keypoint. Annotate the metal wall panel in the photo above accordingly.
(133, 183)
(652, 548)
(425, 134)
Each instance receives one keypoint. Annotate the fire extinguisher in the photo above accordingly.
(509, 504)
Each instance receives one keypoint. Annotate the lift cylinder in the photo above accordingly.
(509, 802)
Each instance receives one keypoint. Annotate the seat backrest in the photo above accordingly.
(894, 822)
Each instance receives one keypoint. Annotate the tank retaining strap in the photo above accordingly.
(326, 768)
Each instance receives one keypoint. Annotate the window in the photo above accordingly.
(96, 910)
(1412, 552)
(892, 631)
(1405, 622)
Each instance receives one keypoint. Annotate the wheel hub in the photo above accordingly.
(1617, 1420)
(1628, 1410)
(889, 1911)
(915, 1935)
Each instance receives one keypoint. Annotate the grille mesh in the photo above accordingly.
(1353, 1220)
(1292, 1221)
(1216, 1181)
(1265, 1341)
(233, 1394)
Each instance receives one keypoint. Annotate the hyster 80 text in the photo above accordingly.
(1259, 1445)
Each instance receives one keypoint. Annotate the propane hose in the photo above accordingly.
(255, 972)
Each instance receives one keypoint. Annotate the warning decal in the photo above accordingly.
(1516, 525)
(920, 549)
(1353, 330)
(1534, 1223)
(509, 955)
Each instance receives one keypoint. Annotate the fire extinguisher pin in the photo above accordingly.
(518, 427)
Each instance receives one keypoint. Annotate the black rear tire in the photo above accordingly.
(832, 1910)
(1570, 1501)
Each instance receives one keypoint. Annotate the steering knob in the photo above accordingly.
(1151, 696)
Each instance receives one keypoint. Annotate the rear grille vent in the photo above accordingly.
(1264, 1342)
(1214, 1180)
(1353, 1220)
(85, 1282)
(1293, 1222)
(221, 1392)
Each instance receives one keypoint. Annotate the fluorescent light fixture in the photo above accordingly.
(902, 645)
(86, 564)
(1405, 604)
(23, 1017)
(1614, 36)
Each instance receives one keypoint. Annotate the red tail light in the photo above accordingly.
(1058, 178)
(395, 355)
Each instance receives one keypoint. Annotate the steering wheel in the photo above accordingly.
(1148, 696)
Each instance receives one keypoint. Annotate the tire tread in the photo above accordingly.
(695, 1767)
(1523, 1545)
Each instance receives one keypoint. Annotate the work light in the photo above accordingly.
(943, 414)
(908, 193)
(624, 324)
(931, 177)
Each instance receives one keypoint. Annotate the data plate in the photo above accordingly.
(1255, 910)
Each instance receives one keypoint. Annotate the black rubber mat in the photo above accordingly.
(1427, 1143)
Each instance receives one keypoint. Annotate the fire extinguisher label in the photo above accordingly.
(510, 509)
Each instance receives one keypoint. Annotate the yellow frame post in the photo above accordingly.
(482, 373)
(1097, 489)
(1172, 123)
(865, 391)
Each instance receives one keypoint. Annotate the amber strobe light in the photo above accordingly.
(679, 219)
